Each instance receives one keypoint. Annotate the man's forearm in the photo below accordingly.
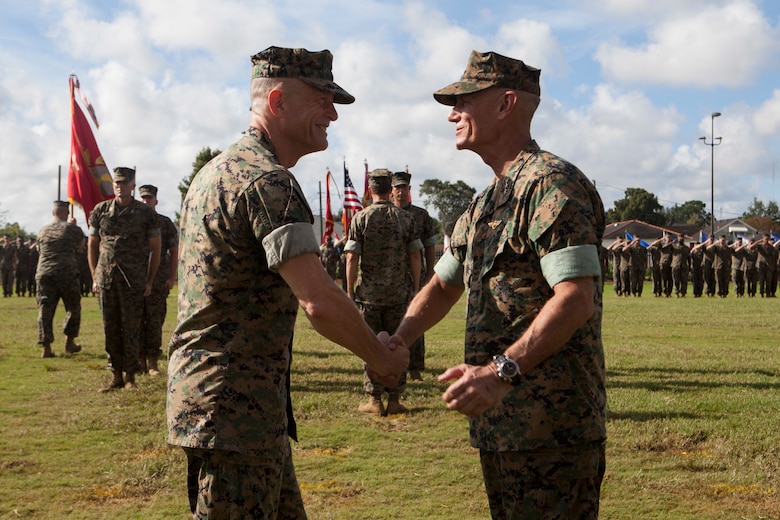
(569, 309)
(427, 308)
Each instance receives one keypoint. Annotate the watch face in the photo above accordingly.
(509, 369)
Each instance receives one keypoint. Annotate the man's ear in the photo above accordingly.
(275, 102)
(508, 103)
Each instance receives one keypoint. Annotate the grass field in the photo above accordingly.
(694, 424)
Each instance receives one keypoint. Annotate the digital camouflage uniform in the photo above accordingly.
(551, 425)
(737, 272)
(330, 259)
(383, 235)
(56, 277)
(155, 305)
(85, 274)
(638, 268)
(626, 266)
(617, 279)
(7, 268)
(707, 271)
(681, 257)
(655, 269)
(121, 274)
(697, 273)
(32, 265)
(667, 250)
(22, 261)
(750, 270)
(765, 265)
(228, 369)
(425, 229)
(721, 264)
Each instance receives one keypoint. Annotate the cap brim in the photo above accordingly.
(448, 95)
(340, 95)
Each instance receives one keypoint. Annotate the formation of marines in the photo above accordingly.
(750, 266)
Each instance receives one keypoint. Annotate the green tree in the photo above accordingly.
(13, 230)
(639, 204)
(449, 199)
(763, 217)
(690, 212)
(204, 156)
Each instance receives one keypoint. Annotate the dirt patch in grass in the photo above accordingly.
(674, 442)
(17, 466)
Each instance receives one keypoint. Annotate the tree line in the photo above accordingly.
(640, 204)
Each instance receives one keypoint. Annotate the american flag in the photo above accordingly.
(352, 202)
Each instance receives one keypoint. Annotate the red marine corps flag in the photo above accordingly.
(89, 180)
(329, 224)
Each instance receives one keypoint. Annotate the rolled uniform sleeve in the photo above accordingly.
(571, 262)
(287, 242)
(450, 270)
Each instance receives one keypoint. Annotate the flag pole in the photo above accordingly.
(322, 230)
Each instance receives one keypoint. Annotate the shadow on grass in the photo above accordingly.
(682, 380)
(650, 416)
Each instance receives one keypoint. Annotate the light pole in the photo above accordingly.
(715, 142)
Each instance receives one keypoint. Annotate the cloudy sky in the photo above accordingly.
(628, 87)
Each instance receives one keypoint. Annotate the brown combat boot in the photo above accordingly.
(130, 381)
(394, 406)
(374, 406)
(154, 370)
(47, 353)
(116, 383)
(71, 347)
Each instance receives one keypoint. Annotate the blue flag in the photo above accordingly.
(641, 242)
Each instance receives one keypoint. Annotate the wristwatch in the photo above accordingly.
(508, 369)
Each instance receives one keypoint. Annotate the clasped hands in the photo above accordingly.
(393, 361)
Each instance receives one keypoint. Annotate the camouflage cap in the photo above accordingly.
(380, 177)
(124, 174)
(490, 69)
(61, 204)
(147, 189)
(313, 68)
(401, 178)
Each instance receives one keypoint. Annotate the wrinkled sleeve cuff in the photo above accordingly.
(353, 247)
(450, 270)
(289, 241)
(415, 245)
(571, 262)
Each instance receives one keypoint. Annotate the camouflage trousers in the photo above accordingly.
(121, 307)
(722, 276)
(49, 292)
(21, 281)
(558, 484)
(8, 281)
(680, 278)
(223, 484)
(152, 319)
(416, 354)
(379, 318)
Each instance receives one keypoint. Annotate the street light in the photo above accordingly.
(715, 142)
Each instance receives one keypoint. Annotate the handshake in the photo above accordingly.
(389, 363)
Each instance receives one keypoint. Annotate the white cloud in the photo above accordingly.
(714, 45)
(168, 78)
